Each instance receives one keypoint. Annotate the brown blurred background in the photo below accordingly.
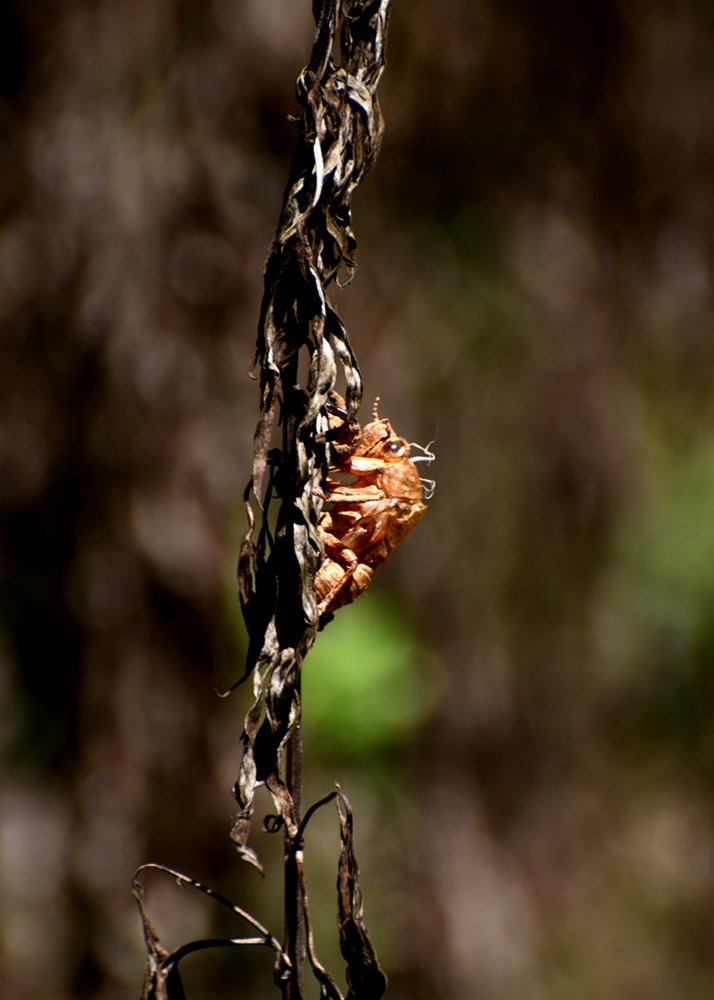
(522, 705)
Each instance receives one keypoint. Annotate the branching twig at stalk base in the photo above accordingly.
(340, 131)
(162, 980)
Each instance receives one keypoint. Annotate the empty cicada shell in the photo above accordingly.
(373, 514)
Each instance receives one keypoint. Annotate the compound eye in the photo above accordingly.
(395, 450)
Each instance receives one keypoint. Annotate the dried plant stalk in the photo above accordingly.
(339, 135)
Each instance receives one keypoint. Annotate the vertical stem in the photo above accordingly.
(293, 867)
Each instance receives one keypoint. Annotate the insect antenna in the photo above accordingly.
(428, 455)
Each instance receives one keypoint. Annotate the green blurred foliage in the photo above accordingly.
(365, 684)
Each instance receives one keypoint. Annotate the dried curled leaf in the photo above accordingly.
(365, 976)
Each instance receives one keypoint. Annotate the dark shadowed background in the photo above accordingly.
(521, 707)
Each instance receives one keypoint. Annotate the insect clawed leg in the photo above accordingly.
(428, 487)
(427, 456)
